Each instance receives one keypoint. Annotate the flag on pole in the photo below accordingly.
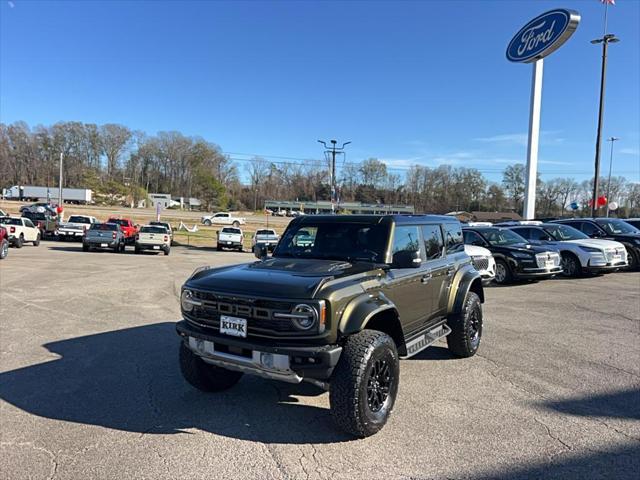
(608, 2)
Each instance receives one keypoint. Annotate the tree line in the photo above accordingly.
(122, 166)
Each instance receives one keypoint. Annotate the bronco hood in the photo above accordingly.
(275, 277)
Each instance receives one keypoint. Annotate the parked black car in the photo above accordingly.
(633, 221)
(610, 229)
(516, 259)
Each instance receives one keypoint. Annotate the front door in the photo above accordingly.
(409, 288)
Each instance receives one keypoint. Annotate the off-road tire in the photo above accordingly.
(466, 328)
(4, 249)
(19, 241)
(508, 275)
(203, 376)
(350, 382)
(36, 242)
(571, 266)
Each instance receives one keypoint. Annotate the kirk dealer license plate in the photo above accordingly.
(549, 264)
(234, 326)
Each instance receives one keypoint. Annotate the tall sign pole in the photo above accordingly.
(534, 140)
(540, 37)
(333, 151)
(60, 185)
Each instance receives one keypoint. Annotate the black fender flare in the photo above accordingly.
(360, 310)
(467, 278)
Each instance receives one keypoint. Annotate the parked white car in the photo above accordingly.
(222, 218)
(230, 237)
(75, 227)
(483, 262)
(579, 253)
(20, 230)
(153, 237)
(267, 237)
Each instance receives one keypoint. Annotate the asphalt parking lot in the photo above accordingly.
(90, 386)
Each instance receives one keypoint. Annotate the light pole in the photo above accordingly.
(605, 41)
(611, 139)
(333, 150)
(60, 185)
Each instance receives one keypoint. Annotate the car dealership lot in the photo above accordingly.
(90, 386)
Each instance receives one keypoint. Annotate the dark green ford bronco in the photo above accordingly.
(340, 301)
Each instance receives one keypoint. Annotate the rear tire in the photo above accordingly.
(207, 223)
(364, 384)
(466, 328)
(203, 376)
(503, 273)
(236, 224)
(167, 251)
(19, 241)
(218, 248)
(85, 247)
(632, 260)
(136, 251)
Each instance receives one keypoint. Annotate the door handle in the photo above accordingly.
(426, 277)
(450, 270)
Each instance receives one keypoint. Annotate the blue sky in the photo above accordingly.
(416, 82)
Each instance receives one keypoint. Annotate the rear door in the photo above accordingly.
(439, 268)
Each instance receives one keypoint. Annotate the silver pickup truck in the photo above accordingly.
(75, 227)
(267, 237)
(104, 235)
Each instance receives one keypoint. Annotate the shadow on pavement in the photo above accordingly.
(130, 380)
(619, 463)
(623, 404)
(435, 352)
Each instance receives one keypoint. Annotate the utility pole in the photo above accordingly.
(611, 139)
(605, 41)
(60, 186)
(333, 151)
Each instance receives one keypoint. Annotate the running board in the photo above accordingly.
(424, 340)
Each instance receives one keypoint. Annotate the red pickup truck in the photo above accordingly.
(128, 228)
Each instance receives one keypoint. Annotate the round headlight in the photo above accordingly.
(186, 300)
(306, 316)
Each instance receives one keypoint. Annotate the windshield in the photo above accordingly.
(616, 226)
(335, 241)
(564, 232)
(231, 230)
(265, 232)
(502, 237)
(153, 230)
(77, 219)
(104, 226)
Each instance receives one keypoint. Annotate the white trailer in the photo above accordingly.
(45, 194)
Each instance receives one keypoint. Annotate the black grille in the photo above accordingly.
(258, 312)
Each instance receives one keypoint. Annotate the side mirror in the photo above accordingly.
(260, 251)
(406, 259)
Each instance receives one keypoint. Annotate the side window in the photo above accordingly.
(29, 223)
(433, 241)
(453, 238)
(528, 233)
(406, 238)
(589, 229)
(472, 238)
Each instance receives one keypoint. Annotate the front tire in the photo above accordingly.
(365, 382)
(632, 260)
(19, 241)
(503, 273)
(36, 242)
(466, 328)
(203, 376)
(571, 265)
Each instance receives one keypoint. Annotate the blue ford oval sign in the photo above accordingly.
(542, 35)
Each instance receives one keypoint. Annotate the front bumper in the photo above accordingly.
(531, 273)
(286, 363)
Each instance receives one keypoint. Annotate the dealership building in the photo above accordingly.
(342, 207)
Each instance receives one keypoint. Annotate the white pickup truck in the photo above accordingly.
(222, 218)
(230, 237)
(153, 237)
(20, 230)
(75, 227)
